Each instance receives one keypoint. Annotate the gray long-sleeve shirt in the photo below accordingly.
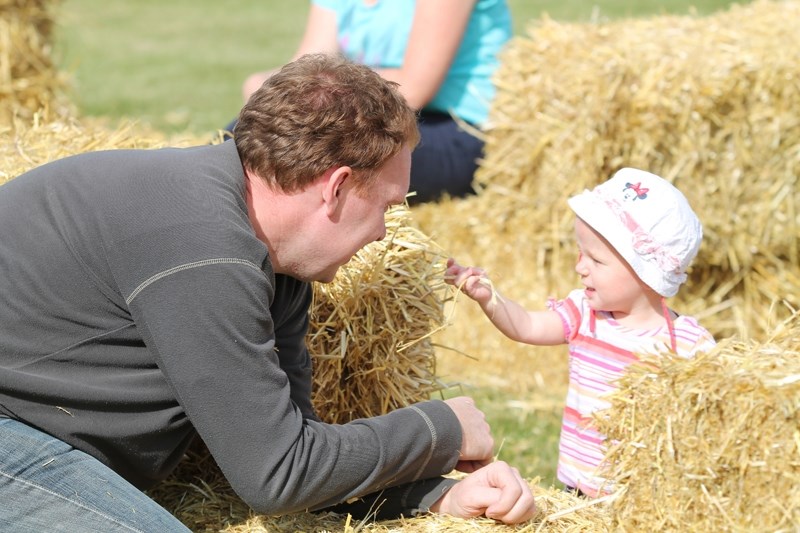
(137, 307)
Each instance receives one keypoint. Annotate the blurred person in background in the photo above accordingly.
(443, 54)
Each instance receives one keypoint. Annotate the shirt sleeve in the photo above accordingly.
(569, 310)
(411, 499)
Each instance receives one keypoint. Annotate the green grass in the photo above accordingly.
(585, 10)
(178, 66)
(525, 436)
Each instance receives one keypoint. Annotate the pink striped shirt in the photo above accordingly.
(594, 367)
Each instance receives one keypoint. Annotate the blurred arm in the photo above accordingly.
(436, 34)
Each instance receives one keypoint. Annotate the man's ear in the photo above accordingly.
(333, 188)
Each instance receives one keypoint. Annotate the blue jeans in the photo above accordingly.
(47, 485)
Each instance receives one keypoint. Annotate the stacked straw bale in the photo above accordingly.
(29, 82)
(710, 103)
(370, 329)
(710, 443)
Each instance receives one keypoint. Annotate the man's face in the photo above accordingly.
(361, 216)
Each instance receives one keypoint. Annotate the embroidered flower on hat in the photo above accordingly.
(644, 245)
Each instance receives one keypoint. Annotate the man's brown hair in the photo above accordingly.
(318, 112)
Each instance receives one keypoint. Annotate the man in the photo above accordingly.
(154, 295)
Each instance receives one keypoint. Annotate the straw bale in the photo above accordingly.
(25, 145)
(370, 329)
(29, 82)
(707, 102)
(709, 443)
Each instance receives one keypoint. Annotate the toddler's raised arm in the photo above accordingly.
(513, 320)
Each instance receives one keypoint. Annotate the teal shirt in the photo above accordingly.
(377, 36)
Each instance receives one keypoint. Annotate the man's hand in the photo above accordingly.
(496, 491)
(477, 444)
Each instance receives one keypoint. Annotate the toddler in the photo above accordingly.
(636, 236)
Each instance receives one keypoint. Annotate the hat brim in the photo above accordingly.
(599, 216)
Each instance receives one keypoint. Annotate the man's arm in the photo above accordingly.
(218, 352)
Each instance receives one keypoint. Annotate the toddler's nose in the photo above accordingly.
(580, 267)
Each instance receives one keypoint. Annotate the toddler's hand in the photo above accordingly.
(472, 281)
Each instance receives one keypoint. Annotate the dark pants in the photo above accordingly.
(445, 160)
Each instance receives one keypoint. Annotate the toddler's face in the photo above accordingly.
(611, 284)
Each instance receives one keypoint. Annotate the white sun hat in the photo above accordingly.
(648, 222)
